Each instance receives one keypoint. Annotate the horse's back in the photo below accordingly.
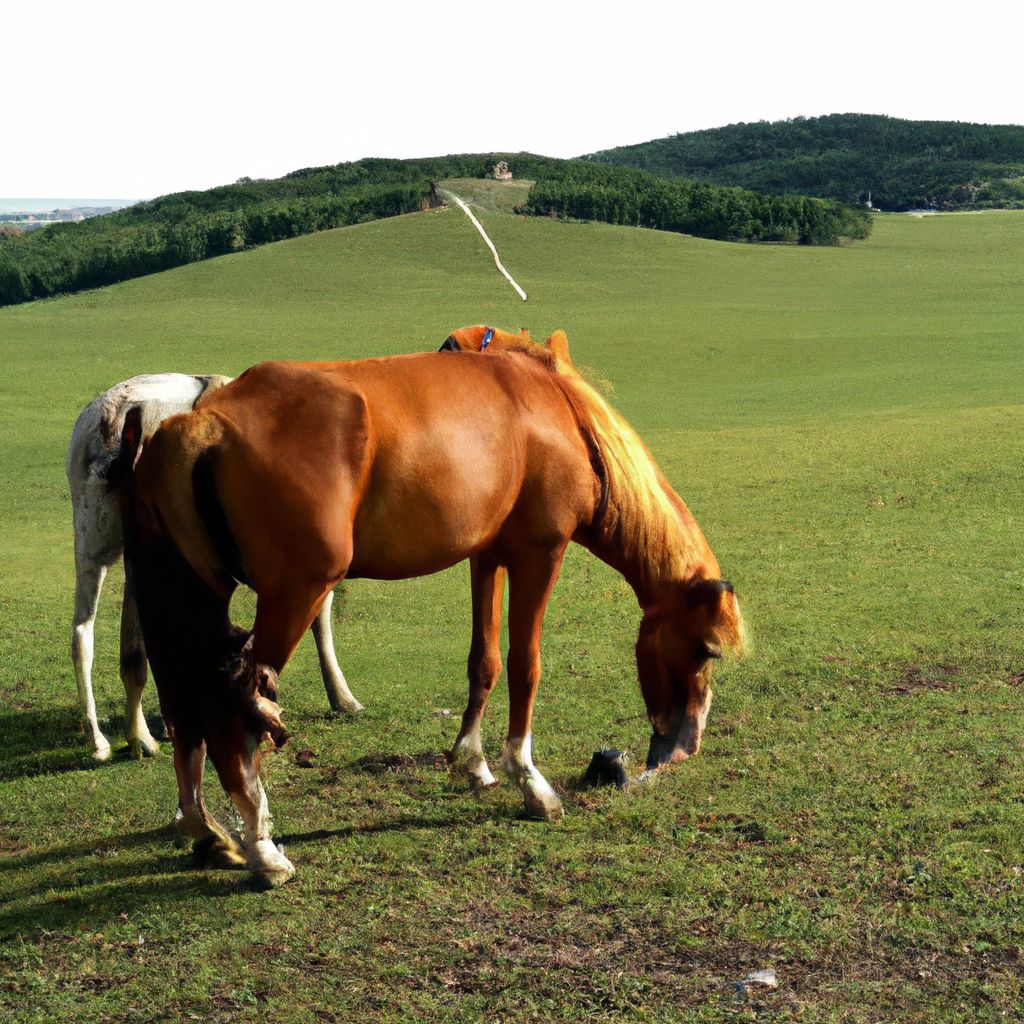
(96, 435)
(403, 465)
(467, 451)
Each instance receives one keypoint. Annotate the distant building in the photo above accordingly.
(31, 219)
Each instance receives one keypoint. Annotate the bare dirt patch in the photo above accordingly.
(381, 764)
(918, 679)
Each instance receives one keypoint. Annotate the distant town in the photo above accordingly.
(30, 216)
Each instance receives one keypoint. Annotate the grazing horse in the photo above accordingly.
(95, 442)
(388, 469)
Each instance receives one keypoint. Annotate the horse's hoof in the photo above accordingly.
(143, 748)
(150, 746)
(473, 766)
(544, 809)
(269, 863)
(273, 879)
(214, 852)
(101, 753)
(479, 774)
(480, 777)
(344, 705)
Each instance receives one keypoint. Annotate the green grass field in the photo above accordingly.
(845, 423)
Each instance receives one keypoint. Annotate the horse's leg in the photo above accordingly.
(89, 576)
(239, 775)
(483, 668)
(340, 696)
(531, 581)
(133, 676)
(210, 843)
(282, 616)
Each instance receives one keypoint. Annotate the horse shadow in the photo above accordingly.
(51, 741)
(98, 880)
(73, 887)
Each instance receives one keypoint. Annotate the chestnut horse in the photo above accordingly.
(388, 469)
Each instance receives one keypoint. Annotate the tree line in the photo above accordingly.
(847, 157)
(104, 250)
(728, 214)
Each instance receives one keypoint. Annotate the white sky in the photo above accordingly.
(120, 99)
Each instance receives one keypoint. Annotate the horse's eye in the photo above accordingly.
(706, 651)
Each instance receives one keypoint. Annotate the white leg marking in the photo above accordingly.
(262, 857)
(340, 696)
(87, 594)
(138, 730)
(541, 800)
(468, 754)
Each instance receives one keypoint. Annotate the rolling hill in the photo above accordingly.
(189, 227)
(900, 164)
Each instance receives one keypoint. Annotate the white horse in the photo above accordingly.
(95, 441)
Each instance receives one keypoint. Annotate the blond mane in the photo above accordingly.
(641, 513)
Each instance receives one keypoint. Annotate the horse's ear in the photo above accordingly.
(265, 721)
(266, 681)
(121, 466)
(558, 343)
(131, 436)
(723, 613)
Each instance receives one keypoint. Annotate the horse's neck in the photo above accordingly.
(613, 554)
(668, 550)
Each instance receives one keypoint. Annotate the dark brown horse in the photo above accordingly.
(296, 476)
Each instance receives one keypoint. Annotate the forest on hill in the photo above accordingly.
(190, 226)
(900, 164)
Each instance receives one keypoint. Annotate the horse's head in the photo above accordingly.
(249, 720)
(482, 339)
(554, 353)
(690, 626)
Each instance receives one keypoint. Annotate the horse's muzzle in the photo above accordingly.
(665, 750)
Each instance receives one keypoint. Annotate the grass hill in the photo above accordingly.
(845, 424)
(188, 227)
(901, 164)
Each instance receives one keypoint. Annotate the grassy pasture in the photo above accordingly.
(846, 425)
(488, 195)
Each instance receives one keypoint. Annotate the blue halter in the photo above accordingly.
(488, 334)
